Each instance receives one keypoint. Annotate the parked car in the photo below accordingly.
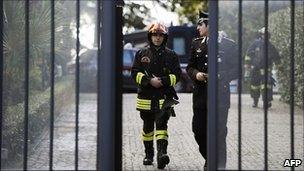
(128, 58)
(88, 70)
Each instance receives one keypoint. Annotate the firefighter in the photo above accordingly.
(255, 65)
(155, 70)
(198, 71)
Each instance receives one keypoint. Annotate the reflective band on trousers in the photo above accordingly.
(247, 58)
(269, 86)
(262, 71)
(172, 79)
(255, 87)
(147, 137)
(145, 104)
(161, 134)
(139, 77)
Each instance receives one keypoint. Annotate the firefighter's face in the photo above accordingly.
(157, 39)
(202, 29)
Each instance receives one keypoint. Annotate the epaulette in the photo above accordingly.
(198, 38)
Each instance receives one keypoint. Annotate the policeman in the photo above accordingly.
(155, 69)
(197, 70)
(255, 64)
(227, 71)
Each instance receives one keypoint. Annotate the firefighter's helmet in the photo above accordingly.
(262, 31)
(158, 28)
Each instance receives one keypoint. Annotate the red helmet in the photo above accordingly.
(158, 28)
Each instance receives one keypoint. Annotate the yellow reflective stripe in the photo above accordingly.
(148, 134)
(254, 87)
(161, 102)
(262, 71)
(247, 58)
(143, 107)
(147, 137)
(143, 104)
(263, 86)
(161, 137)
(172, 79)
(144, 101)
(163, 132)
(139, 77)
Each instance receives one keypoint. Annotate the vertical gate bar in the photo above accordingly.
(77, 83)
(118, 85)
(240, 35)
(26, 86)
(98, 26)
(292, 78)
(52, 84)
(107, 88)
(265, 101)
(212, 86)
(1, 76)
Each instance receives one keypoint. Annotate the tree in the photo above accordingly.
(187, 10)
(14, 45)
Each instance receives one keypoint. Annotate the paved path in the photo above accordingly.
(182, 148)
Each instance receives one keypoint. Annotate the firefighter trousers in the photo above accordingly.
(257, 81)
(161, 133)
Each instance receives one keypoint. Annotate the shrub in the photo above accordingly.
(39, 114)
(279, 27)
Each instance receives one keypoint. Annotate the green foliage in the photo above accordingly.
(187, 10)
(134, 15)
(39, 50)
(279, 27)
(39, 114)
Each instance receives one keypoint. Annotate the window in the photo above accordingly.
(179, 45)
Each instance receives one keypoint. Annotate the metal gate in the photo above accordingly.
(243, 124)
(109, 83)
(109, 49)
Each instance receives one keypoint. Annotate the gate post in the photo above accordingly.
(212, 86)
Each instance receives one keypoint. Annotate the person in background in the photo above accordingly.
(255, 66)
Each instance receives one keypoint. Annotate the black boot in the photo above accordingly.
(149, 150)
(162, 157)
(255, 102)
(268, 105)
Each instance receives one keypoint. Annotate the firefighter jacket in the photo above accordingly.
(256, 56)
(149, 62)
(227, 59)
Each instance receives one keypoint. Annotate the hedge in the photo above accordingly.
(280, 30)
(39, 114)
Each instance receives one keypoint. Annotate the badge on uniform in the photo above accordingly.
(199, 50)
(145, 59)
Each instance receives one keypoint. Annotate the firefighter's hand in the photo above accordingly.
(156, 82)
(200, 76)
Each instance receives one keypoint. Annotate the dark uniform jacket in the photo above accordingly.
(255, 54)
(198, 62)
(227, 70)
(162, 63)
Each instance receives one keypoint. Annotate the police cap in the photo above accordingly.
(203, 18)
